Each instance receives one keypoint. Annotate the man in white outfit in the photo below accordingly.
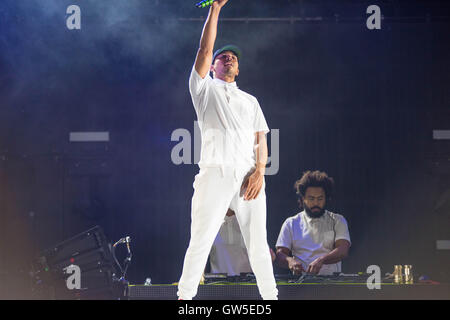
(315, 240)
(229, 253)
(232, 163)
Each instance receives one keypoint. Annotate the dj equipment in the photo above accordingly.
(298, 291)
(217, 278)
(336, 278)
(91, 253)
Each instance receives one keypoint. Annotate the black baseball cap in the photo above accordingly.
(229, 47)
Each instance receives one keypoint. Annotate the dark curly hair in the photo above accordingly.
(314, 179)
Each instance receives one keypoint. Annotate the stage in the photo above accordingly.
(123, 143)
(302, 291)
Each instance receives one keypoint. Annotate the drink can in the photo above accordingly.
(407, 269)
(398, 274)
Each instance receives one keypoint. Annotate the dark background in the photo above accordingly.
(358, 104)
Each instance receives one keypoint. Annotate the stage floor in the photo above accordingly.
(303, 291)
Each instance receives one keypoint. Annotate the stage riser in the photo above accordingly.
(298, 292)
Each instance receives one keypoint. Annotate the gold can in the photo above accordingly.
(398, 274)
(407, 269)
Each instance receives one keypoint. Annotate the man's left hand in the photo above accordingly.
(315, 266)
(253, 185)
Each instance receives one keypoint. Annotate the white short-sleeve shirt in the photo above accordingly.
(228, 253)
(228, 119)
(311, 238)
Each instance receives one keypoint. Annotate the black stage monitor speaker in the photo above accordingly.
(88, 256)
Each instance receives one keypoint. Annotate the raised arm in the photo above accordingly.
(205, 52)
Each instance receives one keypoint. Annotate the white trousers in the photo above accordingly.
(215, 190)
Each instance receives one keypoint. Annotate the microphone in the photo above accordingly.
(204, 3)
(127, 241)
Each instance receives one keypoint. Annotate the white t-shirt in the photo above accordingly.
(228, 253)
(228, 119)
(311, 238)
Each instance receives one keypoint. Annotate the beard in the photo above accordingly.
(229, 69)
(316, 213)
